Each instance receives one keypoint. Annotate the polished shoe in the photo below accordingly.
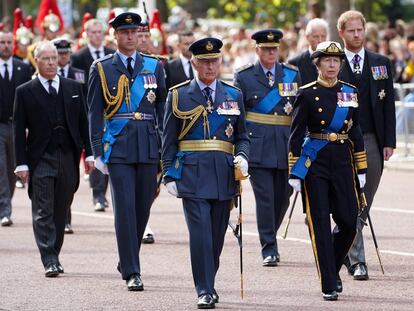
(206, 301)
(51, 271)
(360, 272)
(6, 221)
(330, 296)
(19, 184)
(60, 268)
(148, 239)
(99, 207)
(134, 283)
(338, 284)
(216, 297)
(68, 229)
(270, 261)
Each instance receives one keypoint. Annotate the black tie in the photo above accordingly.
(129, 66)
(62, 72)
(52, 90)
(98, 54)
(6, 73)
(191, 71)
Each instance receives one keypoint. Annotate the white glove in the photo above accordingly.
(295, 183)
(172, 188)
(243, 164)
(102, 167)
(362, 180)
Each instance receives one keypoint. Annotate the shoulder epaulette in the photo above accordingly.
(179, 85)
(107, 56)
(242, 68)
(231, 85)
(346, 83)
(290, 66)
(308, 85)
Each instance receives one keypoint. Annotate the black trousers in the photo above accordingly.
(53, 183)
(330, 187)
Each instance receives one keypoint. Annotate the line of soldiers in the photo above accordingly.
(210, 130)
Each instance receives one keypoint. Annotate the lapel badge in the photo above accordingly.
(229, 130)
(381, 94)
(288, 108)
(151, 96)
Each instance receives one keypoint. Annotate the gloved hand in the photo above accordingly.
(102, 167)
(362, 180)
(243, 164)
(295, 183)
(172, 188)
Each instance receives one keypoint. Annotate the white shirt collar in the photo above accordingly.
(9, 63)
(125, 57)
(186, 64)
(65, 69)
(55, 83)
(93, 50)
(350, 55)
(212, 86)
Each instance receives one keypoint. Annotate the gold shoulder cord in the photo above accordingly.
(192, 114)
(123, 86)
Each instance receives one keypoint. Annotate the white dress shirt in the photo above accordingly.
(93, 50)
(186, 65)
(9, 63)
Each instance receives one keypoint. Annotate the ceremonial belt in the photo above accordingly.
(271, 119)
(206, 145)
(330, 136)
(138, 116)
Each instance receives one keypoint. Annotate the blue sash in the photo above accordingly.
(272, 99)
(114, 126)
(215, 121)
(311, 146)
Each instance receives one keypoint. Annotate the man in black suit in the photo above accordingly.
(13, 72)
(83, 59)
(372, 74)
(179, 69)
(316, 32)
(52, 109)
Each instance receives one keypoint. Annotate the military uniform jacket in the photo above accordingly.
(139, 141)
(313, 112)
(205, 174)
(268, 142)
(382, 97)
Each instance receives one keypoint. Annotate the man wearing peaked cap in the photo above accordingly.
(198, 159)
(269, 89)
(126, 99)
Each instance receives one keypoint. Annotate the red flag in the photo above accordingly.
(46, 7)
(156, 23)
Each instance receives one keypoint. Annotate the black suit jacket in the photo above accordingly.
(21, 74)
(307, 70)
(32, 112)
(382, 98)
(174, 72)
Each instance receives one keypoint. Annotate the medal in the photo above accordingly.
(288, 89)
(381, 94)
(229, 130)
(271, 81)
(288, 108)
(151, 96)
(209, 106)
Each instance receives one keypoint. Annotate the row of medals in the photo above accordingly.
(150, 83)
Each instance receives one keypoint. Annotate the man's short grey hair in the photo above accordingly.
(44, 45)
(316, 22)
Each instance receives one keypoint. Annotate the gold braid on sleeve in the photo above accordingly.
(114, 102)
(191, 115)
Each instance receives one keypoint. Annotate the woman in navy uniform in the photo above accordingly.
(204, 126)
(326, 157)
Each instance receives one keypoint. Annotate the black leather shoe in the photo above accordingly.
(206, 302)
(338, 284)
(270, 261)
(360, 272)
(148, 239)
(60, 268)
(134, 283)
(51, 271)
(330, 296)
(68, 229)
(215, 297)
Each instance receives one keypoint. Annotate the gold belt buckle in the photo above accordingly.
(332, 137)
(137, 116)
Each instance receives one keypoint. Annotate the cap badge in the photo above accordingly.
(270, 36)
(128, 19)
(332, 48)
(209, 46)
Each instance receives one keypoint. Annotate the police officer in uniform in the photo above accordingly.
(269, 89)
(326, 154)
(126, 99)
(204, 127)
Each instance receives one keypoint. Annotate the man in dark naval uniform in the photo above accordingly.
(204, 127)
(269, 89)
(126, 99)
(371, 73)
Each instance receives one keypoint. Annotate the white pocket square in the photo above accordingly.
(75, 96)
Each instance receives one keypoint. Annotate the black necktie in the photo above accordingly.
(62, 72)
(52, 90)
(6, 73)
(98, 54)
(191, 71)
(129, 66)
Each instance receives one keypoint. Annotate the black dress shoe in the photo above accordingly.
(51, 271)
(68, 229)
(270, 261)
(215, 297)
(206, 302)
(360, 272)
(60, 268)
(338, 284)
(148, 239)
(330, 296)
(134, 283)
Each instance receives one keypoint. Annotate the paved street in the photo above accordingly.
(91, 281)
